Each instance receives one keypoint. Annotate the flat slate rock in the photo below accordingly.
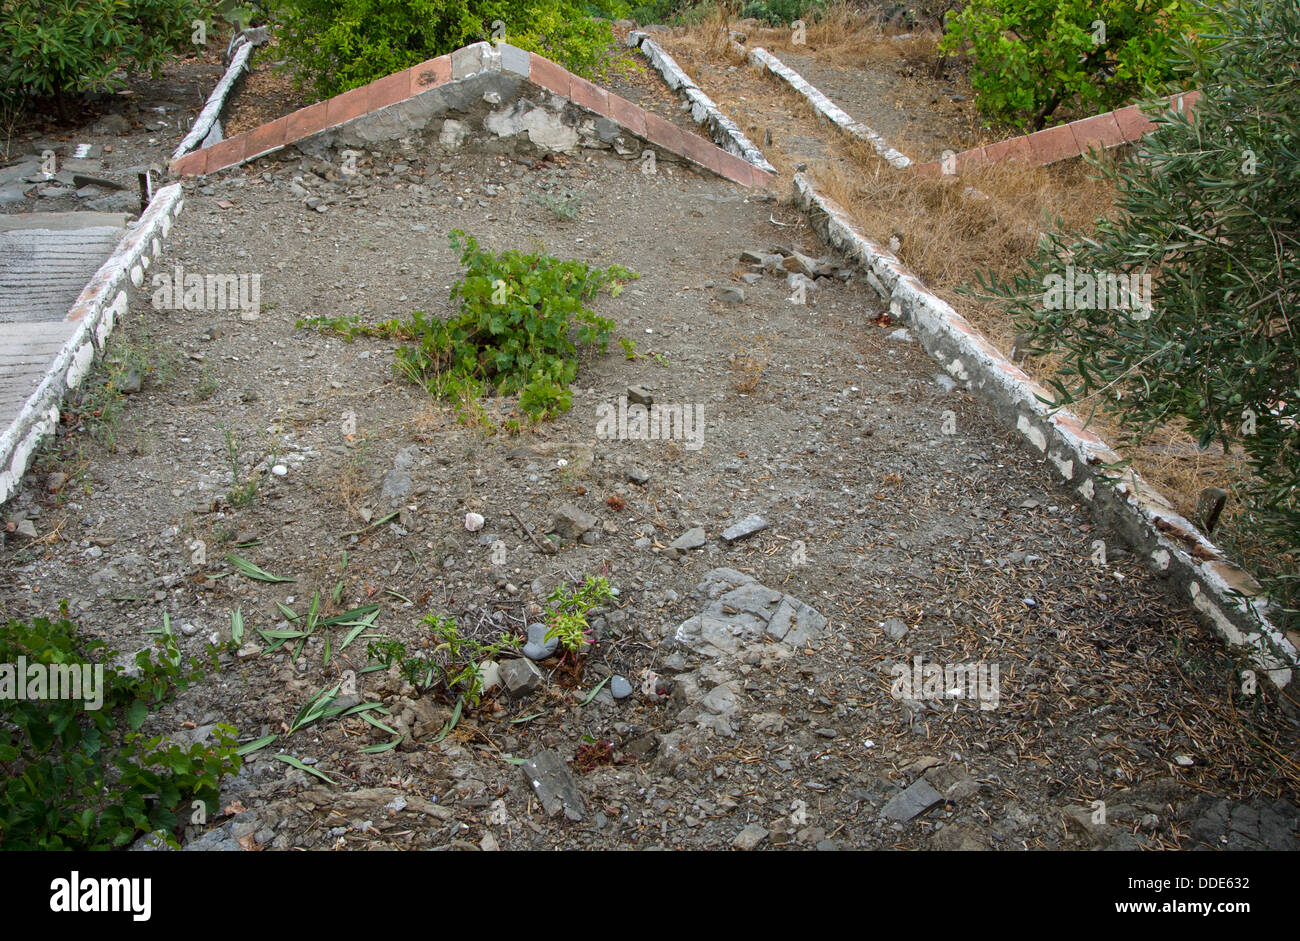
(740, 611)
(744, 529)
(693, 538)
(912, 802)
(555, 786)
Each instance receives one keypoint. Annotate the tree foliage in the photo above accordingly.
(337, 45)
(1209, 209)
(56, 48)
(1030, 58)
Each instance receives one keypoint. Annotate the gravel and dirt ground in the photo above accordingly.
(1108, 688)
(895, 507)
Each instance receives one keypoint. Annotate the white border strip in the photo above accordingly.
(1169, 543)
(101, 303)
(703, 111)
(217, 100)
(827, 108)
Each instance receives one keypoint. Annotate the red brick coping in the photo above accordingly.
(1127, 125)
(410, 82)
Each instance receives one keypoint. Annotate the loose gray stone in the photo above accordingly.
(750, 837)
(744, 529)
(397, 484)
(731, 296)
(538, 647)
(555, 786)
(113, 124)
(911, 802)
(123, 201)
(13, 193)
(620, 688)
(639, 395)
(691, 539)
(894, 629)
(520, 677)
(638, 476)
(571, 522)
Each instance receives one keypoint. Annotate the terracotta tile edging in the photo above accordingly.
(399, 86)
(1106, 130)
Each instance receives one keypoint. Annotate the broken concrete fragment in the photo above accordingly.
(554, 785)
(639, 395)
(744, 529)
(801, 264)
(912, 802)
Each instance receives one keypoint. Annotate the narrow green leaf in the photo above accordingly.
(255, 745)
(599, 687)
(290, 760)
(251, 570)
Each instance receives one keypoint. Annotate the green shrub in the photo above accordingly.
(54, 48)
(73, 777)
(781, 12)
(1031, 58)
(336, 45)
(522, 318)
(1208, 208)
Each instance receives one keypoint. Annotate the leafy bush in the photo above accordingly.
(53, 48)
(781, 12)
(1034, 57)
(1209, 210)
(512, 331)
(336, 45)
(72, 777)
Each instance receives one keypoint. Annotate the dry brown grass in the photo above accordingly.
(353, 486)
(748, 361)
(950, 227)
(989, 220)
(841, 35)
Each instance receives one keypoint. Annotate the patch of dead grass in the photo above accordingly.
(748, 362)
